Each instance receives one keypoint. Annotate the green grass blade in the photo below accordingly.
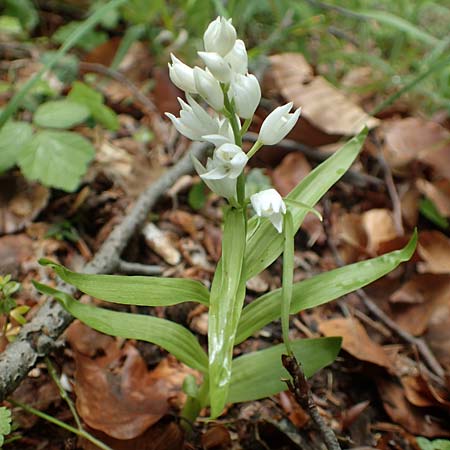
(169, 335)
(257, 375)
(134, 290)
(265, 244)
(226, 300)
(86, 26)
(321, 289)
(402, 25)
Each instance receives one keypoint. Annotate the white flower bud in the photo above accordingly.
(278, 124)
(220, 36)
(270, 204)
(194, 121)
(209, 88)
(228, 162)
(246, 94)
(217, 66)
(237, 58)
(182, 75)
(225, 187)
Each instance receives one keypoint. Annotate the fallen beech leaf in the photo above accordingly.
(417, 300)
(420, 392)
(322, 103)
(216, 437)
(379, 226)
(434, 249)
(115, 392)
(438, 192)
(414, 138)
(160, 242)
(293, 168)
(349, 229)
(14, 250)
(356, 341)
(410, 206)
(412, 418)
(350, 415)
(20, 202)
(294, 411)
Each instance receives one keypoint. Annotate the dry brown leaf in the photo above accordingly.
(356, 341)
(349, 229)
(438, 192)
(14, 250)
(115, 391)
(379, 226)
(434, 249)
(216, 437)
(20, 202)
(410, 206)
(322, 104)
(293, 168)
(412, 418)
(414, 138)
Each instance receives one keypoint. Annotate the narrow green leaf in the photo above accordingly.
(13, 137)
(134, 290)
(60, 114)
(56, 158)
(321, 289)
(169, 335)
(83, 94)
(259, 374)
(226, 300)
(265, 244)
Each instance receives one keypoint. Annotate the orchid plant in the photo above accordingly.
(250, 243)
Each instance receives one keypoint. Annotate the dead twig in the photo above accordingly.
(422, 347)
(38, 337)
(121, 78)
(351, 176)
(302, 393)
(131, 268)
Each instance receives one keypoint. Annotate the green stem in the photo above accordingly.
(51, 419)
(62, 392)
(288, 276)
(194, 405)
(245, 126)
(256, 146)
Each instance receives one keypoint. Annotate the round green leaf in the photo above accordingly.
(13, 136)
(60, 114)
(56, 158)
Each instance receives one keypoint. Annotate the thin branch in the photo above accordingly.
(38, 337)
(300, 389)
(131, 268)
(351, 176)
(375, 310)
(121, 78)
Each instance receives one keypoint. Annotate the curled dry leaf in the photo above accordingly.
(434, 249)
(409, 139)
(409, 201)
(401, 411)
(116, 393)
(322, 103)
(161, 244)
(20, 202)
(356, 341)
(379, 226)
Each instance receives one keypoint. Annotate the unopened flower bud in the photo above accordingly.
(246, 94)
(220, 36)
(270, 204)
(209, 88)
(182, 75)
(237, 58)
(217, 66)
(278, 124)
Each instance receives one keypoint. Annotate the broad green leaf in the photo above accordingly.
(24, 10)
(13, 136)
(83, 94)
(321, 289)
(134, 290)
(226, 300)
(259, 374)
(56, 158)
(437, 444)
(5, 423)
(60, 114)
(264, 243)
(169, 335)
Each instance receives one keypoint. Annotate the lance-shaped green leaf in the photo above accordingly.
(259, 374)
(321, 289)
(226, 300)
(169, 335)
(264, 244)
(134, 290)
